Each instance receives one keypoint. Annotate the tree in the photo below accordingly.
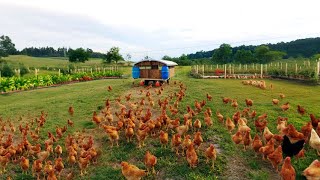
(183, 57)
(128, 57)
(243, 56)
(113, 55)
(265, 55)
(223, 54)
(166, 57)
(6, 46)
(260, 53)
(78, 55)
(7, 71)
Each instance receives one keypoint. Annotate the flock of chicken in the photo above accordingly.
(24, 148)
(287, 142)
(139, 119)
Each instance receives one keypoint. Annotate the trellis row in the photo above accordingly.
(229, 69)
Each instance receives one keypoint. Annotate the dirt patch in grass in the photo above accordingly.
(236, 168)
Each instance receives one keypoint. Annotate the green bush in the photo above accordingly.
(23, 69)
(6, 71)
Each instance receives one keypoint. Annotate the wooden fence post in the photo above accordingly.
(261, 71)
(197, 69)
(202, 70)
(318, 68)
(59, 72)
(266, 68)
(229, 68)
(286, 69)
(296, 68)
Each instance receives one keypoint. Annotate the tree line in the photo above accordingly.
(301, 48)
(7, 47)
(298, 48)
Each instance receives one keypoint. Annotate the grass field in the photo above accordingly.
(232, 161)
(39, 62)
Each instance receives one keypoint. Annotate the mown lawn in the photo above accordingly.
(87, 97)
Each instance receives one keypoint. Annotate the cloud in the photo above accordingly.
(156, 28)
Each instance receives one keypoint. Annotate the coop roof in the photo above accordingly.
(168, 63)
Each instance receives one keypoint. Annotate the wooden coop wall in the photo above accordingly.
(147, 72)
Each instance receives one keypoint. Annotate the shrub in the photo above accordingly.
(6, 71)
(23, 69)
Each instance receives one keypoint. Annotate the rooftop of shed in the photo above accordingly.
(168, 63)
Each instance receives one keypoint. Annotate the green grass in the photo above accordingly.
(38, 62)
(87, 97)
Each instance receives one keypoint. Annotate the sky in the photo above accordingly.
(156, 28)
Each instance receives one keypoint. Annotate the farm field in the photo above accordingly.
(38, 62)
(232, 161)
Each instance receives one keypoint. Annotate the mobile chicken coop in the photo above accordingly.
(151, 70)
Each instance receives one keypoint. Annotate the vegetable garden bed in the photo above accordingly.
(17, 84)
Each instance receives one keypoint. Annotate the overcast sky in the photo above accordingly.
(156, 27)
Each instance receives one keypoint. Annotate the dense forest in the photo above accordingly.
(298, 48)
(51, 52)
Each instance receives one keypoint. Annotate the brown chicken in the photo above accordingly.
(285, 106)
(209, 97)
(276, 158)
(287, 171)
(247, 140)
(58, 166)
(234, 103)
(24, 164)
(293, 135)
(226, 100)
(141, 136)
(211, 153)
(275, 101)
(43, 155)
(164, 138)
(260, 125)
(132, 172)
(249, 102)
(48, 168)
(301, 110)
(256, 143)
(186, 142)
(301, 154)
(113, 136)
(109, 88)
(4, 161)
(314, 121)
(83, 164)
(306, 130)
(58, 150)
(267, 134)
(192, 156)
(313, 171)
(220, 117)
(52, 176)
(282, 96)
(71, 111)
(237, 138)
(37, 168)
(70, 123)
(267, 149)
(129, 133)
(150, 161)
(197, 125)
(197, 140)
(230, 125)
(176, 142)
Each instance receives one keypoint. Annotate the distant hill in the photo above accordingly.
(297, 48)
